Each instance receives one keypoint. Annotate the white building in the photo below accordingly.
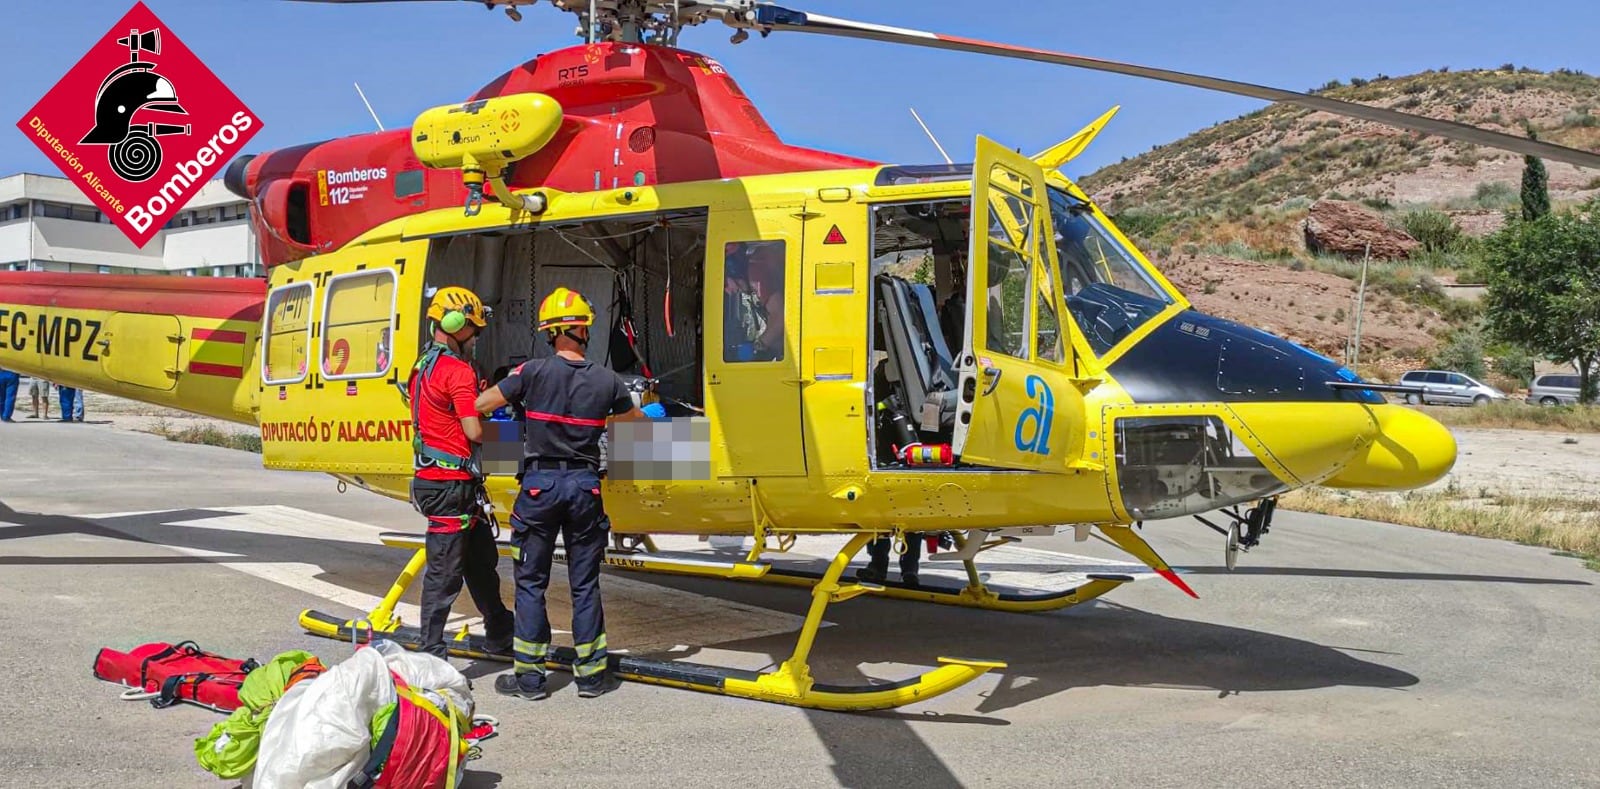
(48, 224)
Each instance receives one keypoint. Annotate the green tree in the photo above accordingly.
(1434, 229)
(1514, 361)
(1463, 353)
(1535, 185)
(1544, 287)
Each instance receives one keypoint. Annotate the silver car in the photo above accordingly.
(1443, 387)
(1554, 389)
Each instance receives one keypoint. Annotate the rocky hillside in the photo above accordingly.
(1270, 157)
(1257, 218)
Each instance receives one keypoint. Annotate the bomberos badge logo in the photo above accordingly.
(140, 124)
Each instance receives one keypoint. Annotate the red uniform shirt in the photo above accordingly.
(449, 393)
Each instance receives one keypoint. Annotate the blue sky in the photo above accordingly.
(294, 63)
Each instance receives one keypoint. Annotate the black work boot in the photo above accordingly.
(598, 685)
(497, 644)
(872, 574)
(523, 686)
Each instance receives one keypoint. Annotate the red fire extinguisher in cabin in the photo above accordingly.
(920, 454)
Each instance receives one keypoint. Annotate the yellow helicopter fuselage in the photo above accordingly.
(1046, 429)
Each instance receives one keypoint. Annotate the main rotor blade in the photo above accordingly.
(771, 17)
(341, 2)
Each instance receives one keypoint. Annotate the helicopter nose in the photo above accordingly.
(1410, 450)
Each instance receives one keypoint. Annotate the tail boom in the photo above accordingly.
(184, 342)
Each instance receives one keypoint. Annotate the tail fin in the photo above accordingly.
(185, 342)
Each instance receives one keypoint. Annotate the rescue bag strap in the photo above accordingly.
(169, 689)
(189, 648)
(171, 692)
(380, 754)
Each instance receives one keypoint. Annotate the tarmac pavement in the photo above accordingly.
(1339, 653)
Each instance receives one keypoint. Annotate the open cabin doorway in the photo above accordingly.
(642, 273)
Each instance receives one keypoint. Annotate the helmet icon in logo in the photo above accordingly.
(134, 86)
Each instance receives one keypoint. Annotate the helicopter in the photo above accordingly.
(1050, 374)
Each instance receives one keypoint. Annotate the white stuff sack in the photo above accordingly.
(426, 673)
(319, 735)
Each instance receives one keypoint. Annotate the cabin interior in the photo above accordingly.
(638, 272)
(917, 326)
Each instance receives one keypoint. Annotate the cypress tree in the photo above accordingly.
(1535, 185)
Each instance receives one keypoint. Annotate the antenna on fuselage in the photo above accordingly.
(369, 105)
(930, 135)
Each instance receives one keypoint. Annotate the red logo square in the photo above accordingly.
(140, 124)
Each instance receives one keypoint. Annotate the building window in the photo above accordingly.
(103, 269)
(288, 334)
(356, 323)
(752, 317)
(52, 210)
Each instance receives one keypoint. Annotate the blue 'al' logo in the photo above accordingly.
(1033, 426)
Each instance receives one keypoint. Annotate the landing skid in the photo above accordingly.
(969, 592)
(976, 595)
(790, 684)
(965, 586)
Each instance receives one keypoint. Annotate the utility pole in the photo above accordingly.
(1361, 296)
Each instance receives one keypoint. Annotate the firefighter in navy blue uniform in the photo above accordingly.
(566, 400)
(448, 484)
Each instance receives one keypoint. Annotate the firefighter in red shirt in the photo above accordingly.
(448, 485)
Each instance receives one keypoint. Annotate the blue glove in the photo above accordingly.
(655, 411)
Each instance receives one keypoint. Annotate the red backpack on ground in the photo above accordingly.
(169, 673)
(422, 745)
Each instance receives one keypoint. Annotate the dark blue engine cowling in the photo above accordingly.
(1198, 358)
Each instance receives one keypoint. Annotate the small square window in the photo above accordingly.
(754, 273)
(408, 183)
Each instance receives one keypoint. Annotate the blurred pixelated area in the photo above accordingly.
(502, 446)
(645, 450)
(665, 449)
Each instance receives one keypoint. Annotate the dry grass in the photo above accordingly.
(209, 435)
(1571, 526)
(1519, 416)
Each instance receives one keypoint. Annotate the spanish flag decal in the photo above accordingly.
(217, 352)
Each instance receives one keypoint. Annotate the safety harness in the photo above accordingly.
(424, 456)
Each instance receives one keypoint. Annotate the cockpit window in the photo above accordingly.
(1108, 291)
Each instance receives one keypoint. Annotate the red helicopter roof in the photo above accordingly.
(633, 115)
(639, 114)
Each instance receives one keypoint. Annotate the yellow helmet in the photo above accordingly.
(452, 307)
(565, 307)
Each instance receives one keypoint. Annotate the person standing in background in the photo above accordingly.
(40, 389)
(9, 382)
(69, 405)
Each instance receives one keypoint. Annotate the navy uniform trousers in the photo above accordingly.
(565, 502)
(460, 545)
(880, 548)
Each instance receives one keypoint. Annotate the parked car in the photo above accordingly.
(1443, 387)
(1554, 389)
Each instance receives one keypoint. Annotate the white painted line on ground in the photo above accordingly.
(657, 616)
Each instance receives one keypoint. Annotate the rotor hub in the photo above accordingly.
(656, 22)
